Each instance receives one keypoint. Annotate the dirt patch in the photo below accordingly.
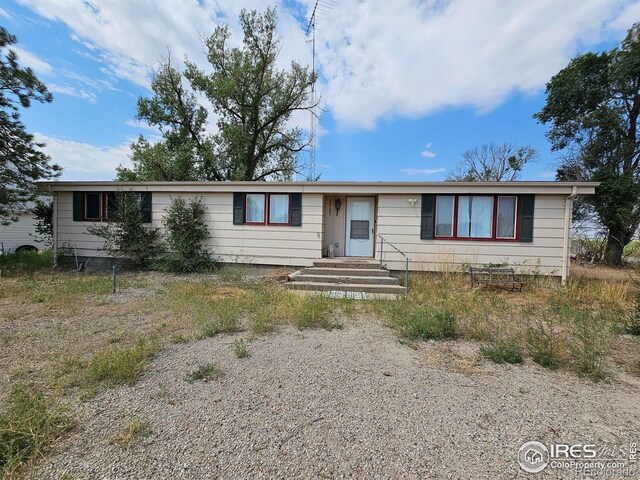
(344, 403)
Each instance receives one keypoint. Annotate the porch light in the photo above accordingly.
(412, 201)
(338, 204)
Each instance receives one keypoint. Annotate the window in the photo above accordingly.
(506, 221)
(444, 215)
(478, 217)
(269, 209)
(103, 206)
(255, 208)
(92, 206)
(110, 205)
(475, 217)
(279, 209)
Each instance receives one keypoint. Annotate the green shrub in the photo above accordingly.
(205, 373)
(503, 350)
(241, 348)
(120, 366)
(129, 237)
(185, 234)
(425, 324)
(28, 427)
(590, 346)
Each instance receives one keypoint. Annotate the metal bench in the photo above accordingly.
(496, 276)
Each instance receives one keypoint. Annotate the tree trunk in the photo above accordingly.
(616, 241)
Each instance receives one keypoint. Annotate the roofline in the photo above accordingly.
(332, 187)
(323, 183)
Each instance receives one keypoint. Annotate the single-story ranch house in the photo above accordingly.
(438, 225)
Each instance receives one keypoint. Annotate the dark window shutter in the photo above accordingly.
(145, 202)
(296, 209)
(77, 206)
(426, 221)
(238, 208)
(526, 217)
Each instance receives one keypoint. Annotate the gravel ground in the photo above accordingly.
(351, 403)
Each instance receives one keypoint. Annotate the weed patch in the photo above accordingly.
(26, 263)
(590, 346)
(422, 323)
(241, 348)
(545, 345)
(120, 366)
(503, 350)
(132, 434)
(315, 312)
(205, 373)
(28, 427)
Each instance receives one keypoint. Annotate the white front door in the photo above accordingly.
(360, 227)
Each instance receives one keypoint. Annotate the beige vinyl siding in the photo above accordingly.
(259, 244)
(399, 223)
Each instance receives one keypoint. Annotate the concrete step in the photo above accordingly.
(305, 276)
(346, 287)
(353, 272)
(347, 263)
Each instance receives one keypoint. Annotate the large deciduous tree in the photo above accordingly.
(22, 161)
(492, 163)
(593, 107)
(251, 99)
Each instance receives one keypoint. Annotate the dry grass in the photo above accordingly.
(66, 332)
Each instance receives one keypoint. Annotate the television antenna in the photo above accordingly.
(320, 11)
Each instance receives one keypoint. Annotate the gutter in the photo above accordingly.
(568, 211)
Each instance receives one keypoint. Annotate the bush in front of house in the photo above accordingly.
(128, 237)
(185, 236)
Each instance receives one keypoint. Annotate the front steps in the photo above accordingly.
(349, 275)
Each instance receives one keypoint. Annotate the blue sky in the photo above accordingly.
(407, 85)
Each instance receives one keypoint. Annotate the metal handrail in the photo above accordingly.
(406, 259)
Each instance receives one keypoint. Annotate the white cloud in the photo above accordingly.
(549, 174)
(33, 61)
(83, 161)
(5, 14)
(325, 165)
(72, 91)
(422, 171)
(406, 58)
(377, 59)
(142, 125)
(426, 152)
(628, 15)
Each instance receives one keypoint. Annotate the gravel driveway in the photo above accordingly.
(352, 403)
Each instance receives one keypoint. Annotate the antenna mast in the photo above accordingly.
(319, 12)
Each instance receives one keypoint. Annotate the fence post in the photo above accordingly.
(113, 279)
(406, 277)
